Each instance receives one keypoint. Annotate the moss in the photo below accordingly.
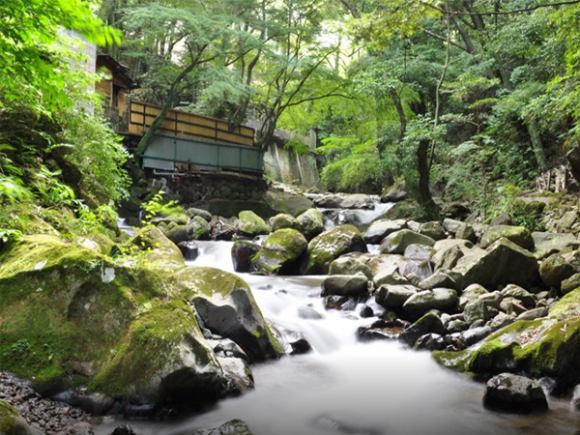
(547, 346)
(251, 224)
(328, 246)
(280, 252)
(8, 417)
(150, 350)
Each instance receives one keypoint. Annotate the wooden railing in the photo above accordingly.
(182, 124)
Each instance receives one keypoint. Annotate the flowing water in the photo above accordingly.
(348, 387)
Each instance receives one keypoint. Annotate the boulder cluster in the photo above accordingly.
(487, 299)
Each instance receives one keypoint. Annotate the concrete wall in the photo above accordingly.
(282, 164)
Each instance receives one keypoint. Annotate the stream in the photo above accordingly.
(348, 387)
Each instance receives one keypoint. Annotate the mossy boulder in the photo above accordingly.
(331, 244)
(242, 253)
(521, 236)
(123, 326)
(250, 224)
(11, 423)
(163, 358)
(350, 264)
(550, 243)
(504, 262)
(548, 346)
(555, 269)
(226, 306)
(282, 220)
(311, 223)
(158, 251)
(280, 253)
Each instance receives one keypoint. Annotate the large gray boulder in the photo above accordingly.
(521, 236)
(503, 263)
(381, 228)
(429, 323)
(331, 244)
(397, 242)
(511, 392)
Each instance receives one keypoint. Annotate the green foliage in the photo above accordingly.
(33, 58)
(158, 206)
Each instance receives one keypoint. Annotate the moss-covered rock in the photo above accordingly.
(280, 253)
(311, 223)
(555, 269)
(125, 326)
(326, 247)
(158, 251)
(521, 236)
(11, 423)
(250, 224)
(163, 358)
(548, 346)
(225, 304)
(282, 220)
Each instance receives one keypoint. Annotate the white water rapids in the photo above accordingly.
(349, 387)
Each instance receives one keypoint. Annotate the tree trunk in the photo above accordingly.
(424, 197)
(167, 105)
(401, 112)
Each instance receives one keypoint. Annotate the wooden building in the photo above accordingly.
(185, 142)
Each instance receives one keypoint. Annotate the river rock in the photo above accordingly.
(451, 225)
(311, 223)
(533, 314)
(397, 242)
(555, 269)
(449, 252)
(527, 299)
(394, 193)
(570, 284)
(232, 427)
(418, 252)
(551, 243)
(381, 228)
(349, 265)
(345, 285)
(189, 250)
(283, 220)
(225, 304)
(521, 236)
(250, 224)
(394, 296)
(242, 253)
(280, 253)
(466, 232)
(547, 346)
(470, 294)
(439, 299)
(415, 270)
(433, 230)
(504, 262)
(429, 323)
(331, 244)
(223, 228)
(440, 278)
(511, 392)
(237, 373)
